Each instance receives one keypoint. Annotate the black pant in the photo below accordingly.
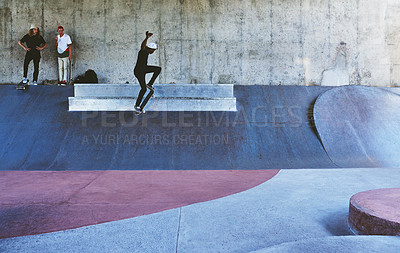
(36, 59)
(141, 76)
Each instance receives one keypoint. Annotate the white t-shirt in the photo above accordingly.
(63, 42)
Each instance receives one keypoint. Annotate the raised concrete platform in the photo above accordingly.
(167, 97)
(375, 212)
(162, 90)
(155, 104)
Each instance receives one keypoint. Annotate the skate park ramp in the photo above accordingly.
(271, 129)
(359, 126)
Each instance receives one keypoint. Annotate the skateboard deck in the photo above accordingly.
(22, 86)
(146, 100)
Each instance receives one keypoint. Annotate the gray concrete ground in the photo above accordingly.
(297, 211)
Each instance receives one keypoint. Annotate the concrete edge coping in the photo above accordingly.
(155, 98)
(157, 84)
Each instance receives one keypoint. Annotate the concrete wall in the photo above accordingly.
(216, 41)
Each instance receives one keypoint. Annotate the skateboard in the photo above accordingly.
(146, 100)
(22, 86)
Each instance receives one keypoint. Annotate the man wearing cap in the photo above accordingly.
(141, 69)
(34, 44)
(64, 50)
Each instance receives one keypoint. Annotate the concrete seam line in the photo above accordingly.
(179, 227)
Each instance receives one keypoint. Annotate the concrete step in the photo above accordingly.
(161, 90)
(167, 97)
(155, 104)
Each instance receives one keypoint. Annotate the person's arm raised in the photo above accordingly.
(144, 43)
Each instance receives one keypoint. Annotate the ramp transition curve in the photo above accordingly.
(359, 126)
(271, 129)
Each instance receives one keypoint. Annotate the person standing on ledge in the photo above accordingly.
(34, 44)
(140, 71)
(64, 50)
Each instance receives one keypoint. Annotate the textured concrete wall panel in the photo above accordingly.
(273, 42)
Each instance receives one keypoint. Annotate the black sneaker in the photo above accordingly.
(138, 110)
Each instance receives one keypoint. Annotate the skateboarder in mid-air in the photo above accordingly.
(141, 69)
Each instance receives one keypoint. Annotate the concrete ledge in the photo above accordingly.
(167, 97)
(161, 90)
(375, 212)
(155, 104)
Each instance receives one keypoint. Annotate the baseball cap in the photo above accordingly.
(152, 45)
(33, 26)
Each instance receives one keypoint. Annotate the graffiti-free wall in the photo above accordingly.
(266, 42)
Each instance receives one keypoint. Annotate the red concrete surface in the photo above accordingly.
(34, 202)
(376, 212)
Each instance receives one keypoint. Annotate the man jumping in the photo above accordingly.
(141, 69)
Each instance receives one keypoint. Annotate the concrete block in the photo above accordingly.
(161, 90)
(375, 212)
(168, 97)
(155, 104)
